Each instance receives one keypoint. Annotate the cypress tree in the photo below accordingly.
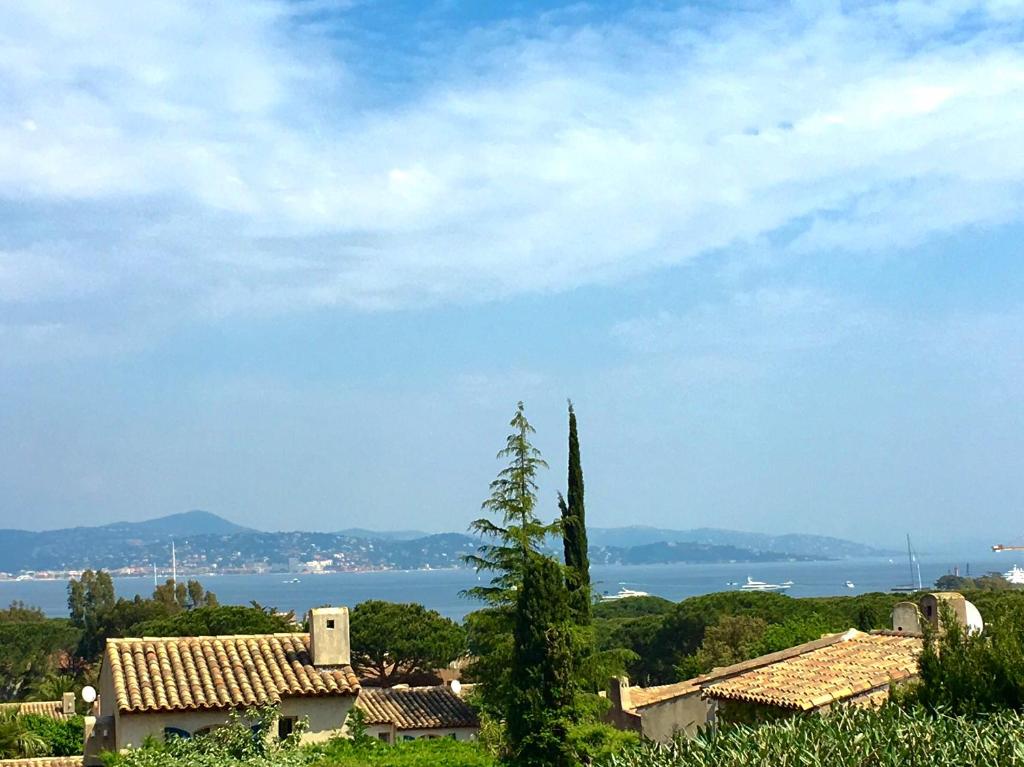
(574, 532)
(513, 500)
(542, 684)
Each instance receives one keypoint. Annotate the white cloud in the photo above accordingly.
(234, 164)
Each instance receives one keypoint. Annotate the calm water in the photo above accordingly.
(439, 589)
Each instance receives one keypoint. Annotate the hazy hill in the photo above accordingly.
(206, 542)
(818, 546)
(194, 522)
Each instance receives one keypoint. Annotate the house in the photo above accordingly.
(55, 709)
(398, 714)
(851, 667)
(161, 686)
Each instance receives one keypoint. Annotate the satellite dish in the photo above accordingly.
(456, 686)
(975, 625)
(89, 693)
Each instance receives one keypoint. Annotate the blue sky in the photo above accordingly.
(295, 262)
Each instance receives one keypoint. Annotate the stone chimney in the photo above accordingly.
(905, 618)
(328, 636)
(67, 701)
(931, 607)
(619, 694)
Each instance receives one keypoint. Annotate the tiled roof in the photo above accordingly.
(213, 672)
(855, 665)
(415, 708)
(51, 708)
(44, 761)
(639, 697)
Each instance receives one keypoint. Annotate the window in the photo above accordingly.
(175, 732)
(384, 736)
(408, 737)
(285, 726)
(330, 623)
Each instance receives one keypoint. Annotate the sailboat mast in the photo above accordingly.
(910, 560)
(174, 563)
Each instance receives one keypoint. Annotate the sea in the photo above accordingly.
(441, 589)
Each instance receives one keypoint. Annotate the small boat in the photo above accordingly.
(752, 585)
(624, 594)
(851, 585)
(1015, 575)
(292, 580)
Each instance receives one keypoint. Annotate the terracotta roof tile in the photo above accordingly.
(44, 761)
(640, 697)
(842, 670)
(416, 708)
(50, 708)
(212, 672)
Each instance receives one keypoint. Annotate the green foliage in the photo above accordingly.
(394, 640)
(541, 710)
(176, 597)
(439, 752)
(18, 739)
(245, 741)
(667, 639)
(30, 647)
(732, 639)
(848, 737)
(990, 582)
(972, 674)
(631, 607)
(95, 610)
(223, 619)
(90, 601)
(594, 742)
(489, 639)
(574, 532)
(63, 737)
(513, 501)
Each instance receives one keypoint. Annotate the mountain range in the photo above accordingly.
(205, 541)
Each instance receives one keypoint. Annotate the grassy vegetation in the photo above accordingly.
(891, 737)
(442, 752)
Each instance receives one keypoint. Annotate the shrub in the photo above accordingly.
(890, 737)
(64, 737)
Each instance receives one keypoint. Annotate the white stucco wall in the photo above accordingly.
(398, 736)
(326, 719)
(685, 714)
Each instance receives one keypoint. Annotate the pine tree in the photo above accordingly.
(543, 691)
(574, 532)
(514, 500)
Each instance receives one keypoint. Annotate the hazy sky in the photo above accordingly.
(295, 262)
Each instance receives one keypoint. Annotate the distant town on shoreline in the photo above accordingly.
(205, 544)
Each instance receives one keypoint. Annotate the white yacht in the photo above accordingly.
(1015, 575)
(752, 585)
(624, 594)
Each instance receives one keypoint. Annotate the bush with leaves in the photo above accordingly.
(245, 741)
(847, 737)
(63, 737)
(971, 673)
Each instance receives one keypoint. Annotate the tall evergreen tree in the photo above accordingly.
(574, 532)
(513, 500)
(543, 691)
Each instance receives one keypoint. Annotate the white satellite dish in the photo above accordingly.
(456, 686)
(89, 693)
(975, 625)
